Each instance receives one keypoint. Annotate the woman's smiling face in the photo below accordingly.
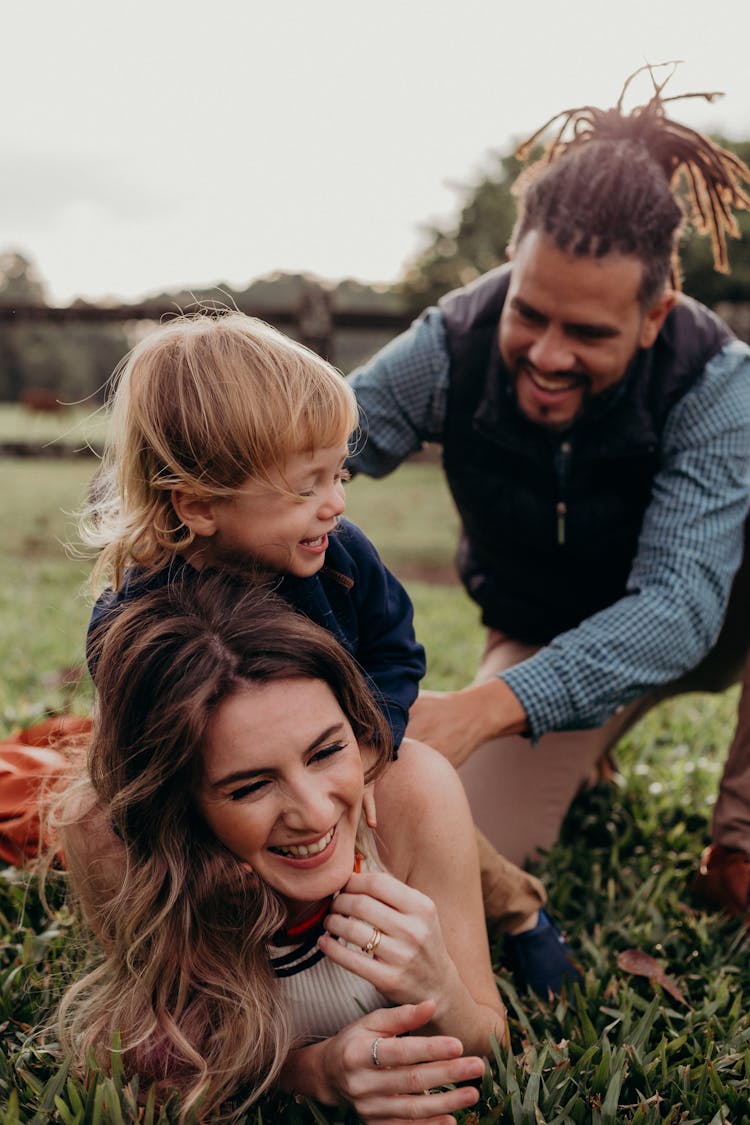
(282, 786)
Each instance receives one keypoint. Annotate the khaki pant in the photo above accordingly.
(520, 793)
(509, 894)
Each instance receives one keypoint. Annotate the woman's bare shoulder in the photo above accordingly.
(419, 777)
(418, 797)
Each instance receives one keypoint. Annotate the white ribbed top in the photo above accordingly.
(320, 996)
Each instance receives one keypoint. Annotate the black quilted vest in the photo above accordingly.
(551, 520)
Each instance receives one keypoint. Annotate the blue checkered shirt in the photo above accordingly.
(690, 544)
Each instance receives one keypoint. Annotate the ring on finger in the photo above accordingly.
(374, 1051)
(373, 943)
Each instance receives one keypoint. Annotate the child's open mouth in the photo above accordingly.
(320, 543)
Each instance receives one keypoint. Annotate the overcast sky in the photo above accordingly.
(161, 143)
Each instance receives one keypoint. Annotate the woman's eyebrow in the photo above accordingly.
(245, 775)
(238, 775)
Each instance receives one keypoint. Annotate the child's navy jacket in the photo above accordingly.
(354, 596)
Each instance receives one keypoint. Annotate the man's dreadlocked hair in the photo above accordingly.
(615, 189)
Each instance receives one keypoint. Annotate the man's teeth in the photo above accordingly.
(555, 383)
(300, 850)
(313, 542)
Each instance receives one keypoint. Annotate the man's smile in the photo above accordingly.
(557, 383)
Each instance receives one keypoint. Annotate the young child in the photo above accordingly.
(227, 450)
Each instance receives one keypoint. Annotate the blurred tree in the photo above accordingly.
(20, 280)
(73, 361)
(700, 279)
(454, 256)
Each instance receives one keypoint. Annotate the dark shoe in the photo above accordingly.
(541, 959)
(723, 881)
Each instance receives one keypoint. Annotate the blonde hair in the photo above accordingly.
(184, 977)
(201, 404)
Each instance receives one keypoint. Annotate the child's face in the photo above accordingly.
(286, 534)
(283, 785)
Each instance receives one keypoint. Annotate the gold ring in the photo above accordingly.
(373, 943)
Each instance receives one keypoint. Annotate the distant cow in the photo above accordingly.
(38, 399)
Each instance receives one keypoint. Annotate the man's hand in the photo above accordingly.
(457, 722)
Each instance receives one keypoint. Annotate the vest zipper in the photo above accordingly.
(562, 468)
(562, 512)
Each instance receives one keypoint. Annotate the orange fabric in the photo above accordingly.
(27, 760)
(50, 731)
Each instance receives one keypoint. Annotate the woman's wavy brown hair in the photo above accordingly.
(184, 977)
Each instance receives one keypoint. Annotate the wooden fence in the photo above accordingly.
(312, 320)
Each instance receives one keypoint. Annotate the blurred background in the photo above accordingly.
(331, 166)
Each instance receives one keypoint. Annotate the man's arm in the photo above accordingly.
(401, 394)
(457, 722)
(689, 550)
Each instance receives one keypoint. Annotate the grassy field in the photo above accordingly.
(621, 1049)
(43, 606)
(76, 426)
(45, 598)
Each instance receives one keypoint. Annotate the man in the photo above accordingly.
(595, 426)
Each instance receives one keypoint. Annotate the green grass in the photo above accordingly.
(619, 1050)
(76, 426)
(410, 517)
(43, 598)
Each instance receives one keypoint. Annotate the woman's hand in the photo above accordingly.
(385, 1073)
(397, 940)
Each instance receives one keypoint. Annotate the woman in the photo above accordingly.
(216, 845)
